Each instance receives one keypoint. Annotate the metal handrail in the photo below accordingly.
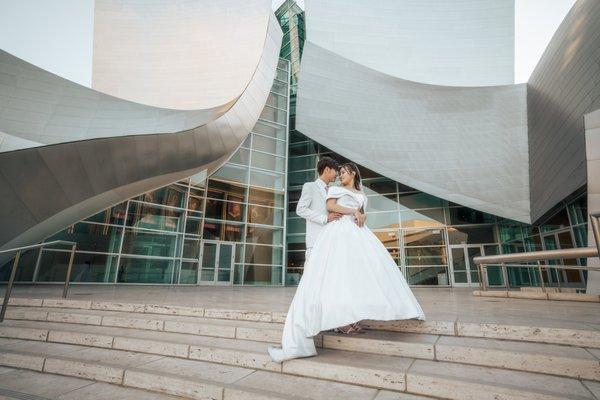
(483, 262)
(13, 273)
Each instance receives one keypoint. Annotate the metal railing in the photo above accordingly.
(13, 272)
(502, 260)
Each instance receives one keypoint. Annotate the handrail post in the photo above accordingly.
(596, 230)
(13, 273)
(505, 271)
(479, 273)
(539, 266)
(68, 278)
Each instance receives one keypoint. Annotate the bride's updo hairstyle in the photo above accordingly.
(350, 167)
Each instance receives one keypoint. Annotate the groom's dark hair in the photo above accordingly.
(326, 162)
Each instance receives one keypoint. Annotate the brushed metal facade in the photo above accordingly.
(592, 153)
(449, 42)
(178, 53)
(464, 144)
(564, 86)
(94, 150)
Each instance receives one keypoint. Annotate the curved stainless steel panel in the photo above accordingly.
(564, 86)
(464, 144)
(43, 189)
(449, 42)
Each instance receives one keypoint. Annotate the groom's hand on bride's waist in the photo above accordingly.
(332, 216)
(359, 218)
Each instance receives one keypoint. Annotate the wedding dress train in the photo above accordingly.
(349, 276)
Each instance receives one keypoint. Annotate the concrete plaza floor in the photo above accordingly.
(441, 304)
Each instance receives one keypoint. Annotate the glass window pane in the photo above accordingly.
(465, 215)
(265, 215)
(191, 248)
(296, 225)
(149, 243)
(389, 239)
(274, 114)
(86, 267)
(379, 185)
(471, 234)
(265, 197)
(25, 269)
(267, 161)
(268, 145)
(226, 191)
(303, 148)
(277, 100)
(114, 215)
(188, 273)
(259, 254)
(269, 129)
(193, 225)
(269, 180)
(419, 200)
(425, 256)
(172, 196)
(386, 202)
(382, 220)
(302, 163)
(154, 217)
(299, 178)
(424, 237)
(421, 218)
(143, 270)
(262, 275)
(264, 235)
(91, 237)
(218, 230)
(241, 156)
(431, 276)
(225, 210)
(232, 173)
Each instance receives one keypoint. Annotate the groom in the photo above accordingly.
(312, 206)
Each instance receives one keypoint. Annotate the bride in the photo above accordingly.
(350, 276)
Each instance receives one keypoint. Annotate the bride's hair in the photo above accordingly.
(351, 167)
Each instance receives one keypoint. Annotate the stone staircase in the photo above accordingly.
(202, 353)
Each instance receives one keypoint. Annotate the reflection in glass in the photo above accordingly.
(218, 230)
(86, 267)
(424, 237)
(91, 237)
(422, 218)
(264, 235)
(260, 254)
(148, 243)
(382, 220)
(143, 270)
(114, 215)
(154, 217)
(172, 196)
(430, 276)
(471, 234)
(262, 275)
(188, 273)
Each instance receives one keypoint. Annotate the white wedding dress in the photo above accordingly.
(349, 276)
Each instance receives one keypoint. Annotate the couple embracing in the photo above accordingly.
(348, 273)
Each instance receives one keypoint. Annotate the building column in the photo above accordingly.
(592, 155)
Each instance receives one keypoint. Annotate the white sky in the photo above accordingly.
(57, 35)
(535, 23)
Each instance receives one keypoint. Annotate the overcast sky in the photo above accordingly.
(65, 46)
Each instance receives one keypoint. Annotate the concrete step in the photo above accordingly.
(25, 384)
(198, 379)
(530, 330)
(568, 361)
(533, 294)
(243, 325)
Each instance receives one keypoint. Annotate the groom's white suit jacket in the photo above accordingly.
(313, 209)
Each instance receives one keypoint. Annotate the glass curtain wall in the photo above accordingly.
(226, 229)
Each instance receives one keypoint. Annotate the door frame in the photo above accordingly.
(469, 267)
(216, 281)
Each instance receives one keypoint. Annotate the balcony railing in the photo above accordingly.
(15, 265)
(512, 260)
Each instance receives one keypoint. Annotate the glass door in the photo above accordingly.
(217, 263)
(556, 241)
(464, 270)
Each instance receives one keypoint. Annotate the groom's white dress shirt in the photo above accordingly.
(313, 209)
